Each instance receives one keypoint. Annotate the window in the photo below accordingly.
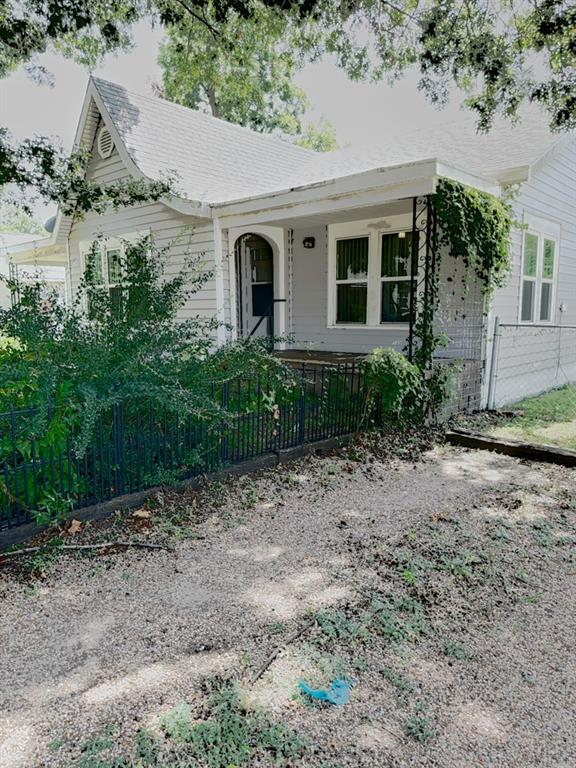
(351, 280)
(370, 281)
(538, 278)
(103, 263)
(395, 276)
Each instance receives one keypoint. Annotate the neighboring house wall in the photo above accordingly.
(4, 292)
(532, 359)
(184, 234)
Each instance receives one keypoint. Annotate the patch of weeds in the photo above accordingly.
(360, 665)
(399, 618)
(528, 678)
(229, 734)
(456, 651)
(534, 599)
(45, 559)
(543, 533)
(340, 626)
(399, 681)
(177, 723)
(276, 628)
(461, 566)
(418, 726)
(55, 744)
(92, 748)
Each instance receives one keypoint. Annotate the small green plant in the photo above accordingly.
(418, 726)
(398, 680)
(455, 651)
(399, 618)
(54, 507)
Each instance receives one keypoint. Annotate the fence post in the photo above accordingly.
(302, 407)
(494, 365)
(118, 427)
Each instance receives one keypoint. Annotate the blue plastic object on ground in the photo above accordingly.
(338, 695)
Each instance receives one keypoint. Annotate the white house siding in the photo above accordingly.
(309, 311)
(532, 360)
(183, 234)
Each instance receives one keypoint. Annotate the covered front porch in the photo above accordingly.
(331, 287)
(331, 273)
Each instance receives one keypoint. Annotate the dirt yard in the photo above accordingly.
(443, 590)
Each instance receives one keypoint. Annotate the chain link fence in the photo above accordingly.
(530, 360)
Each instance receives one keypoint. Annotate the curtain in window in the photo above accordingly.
(351, 280)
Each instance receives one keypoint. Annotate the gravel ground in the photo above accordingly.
(482, 544)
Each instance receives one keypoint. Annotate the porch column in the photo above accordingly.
(423, 286)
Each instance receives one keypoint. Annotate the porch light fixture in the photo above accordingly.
(401, 235)
(309, 242)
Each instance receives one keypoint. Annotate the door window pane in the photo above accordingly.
(395, 301)
(530, 254)
(548, 263)
(527, 312)
(352, 259)
(545, 301)
(351, 302)
(114, 266)
(262, 265)
(396, 254)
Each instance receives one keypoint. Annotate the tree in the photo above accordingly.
(243, 70)
(501, 53)
(15, 218)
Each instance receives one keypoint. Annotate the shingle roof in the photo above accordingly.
(216, 161)
(211, 157)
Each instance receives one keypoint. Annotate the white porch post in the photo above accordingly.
(219, 281)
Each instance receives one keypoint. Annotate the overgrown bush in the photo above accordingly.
(132, 343)
(62, 368)
(395, 385)
(399, 389)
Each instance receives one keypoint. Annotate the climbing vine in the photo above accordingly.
(475, 226)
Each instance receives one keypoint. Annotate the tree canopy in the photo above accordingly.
(242, 70)
(499, 53)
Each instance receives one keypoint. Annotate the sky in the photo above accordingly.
(361, 113)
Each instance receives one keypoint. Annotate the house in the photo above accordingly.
(53, 276)
(315, 248)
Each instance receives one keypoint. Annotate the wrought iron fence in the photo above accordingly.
(47, 467)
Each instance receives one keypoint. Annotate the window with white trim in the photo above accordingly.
(539, 271)
(352, 279)
(395, 276)
(105, 259)
(370, 281)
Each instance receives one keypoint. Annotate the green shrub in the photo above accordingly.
(395, 385)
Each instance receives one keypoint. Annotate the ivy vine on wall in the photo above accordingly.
(475, 226)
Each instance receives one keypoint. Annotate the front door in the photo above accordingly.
(254, 285)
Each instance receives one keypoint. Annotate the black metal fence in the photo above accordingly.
(48, 467)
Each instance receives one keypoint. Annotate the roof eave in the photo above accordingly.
(405, 179)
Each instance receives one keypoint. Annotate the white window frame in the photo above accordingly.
(543, 230)
(373, 229)
(107, 243)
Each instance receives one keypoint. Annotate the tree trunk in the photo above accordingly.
(213, 102)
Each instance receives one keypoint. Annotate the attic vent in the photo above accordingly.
(105, 143)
